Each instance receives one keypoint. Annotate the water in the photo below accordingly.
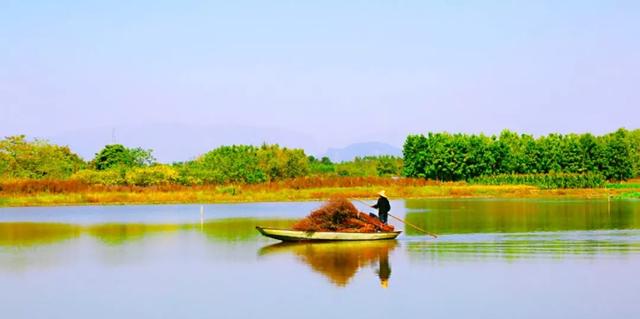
(494, 259)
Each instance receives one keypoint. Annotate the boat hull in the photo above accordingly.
(297, 235)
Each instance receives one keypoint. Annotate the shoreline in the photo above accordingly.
(222, 196)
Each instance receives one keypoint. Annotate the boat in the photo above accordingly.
(300, 235)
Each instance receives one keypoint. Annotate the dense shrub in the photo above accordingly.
(387, 165)
(370, 166)
(152, 175)
(321, 166)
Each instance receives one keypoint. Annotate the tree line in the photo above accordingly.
(454, 157)
(554, 160)
(119, 165)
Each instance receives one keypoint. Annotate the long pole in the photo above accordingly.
(404, 221)
(414, 226)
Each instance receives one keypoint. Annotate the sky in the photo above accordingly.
(182, 77)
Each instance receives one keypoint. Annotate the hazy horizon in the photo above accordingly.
(188, 76)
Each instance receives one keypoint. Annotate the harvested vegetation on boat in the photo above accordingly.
(336, 220)
(318, 236)
(340, 215)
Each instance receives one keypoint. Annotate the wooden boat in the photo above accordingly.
(298, 235)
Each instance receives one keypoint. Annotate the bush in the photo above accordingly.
(152, 175)
(384, 165)
(321, 166)
(387, 165)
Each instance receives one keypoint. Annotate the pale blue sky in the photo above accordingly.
(313, 74)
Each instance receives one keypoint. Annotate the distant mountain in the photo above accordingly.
(362, 149)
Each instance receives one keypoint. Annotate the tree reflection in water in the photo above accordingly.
(340, 261)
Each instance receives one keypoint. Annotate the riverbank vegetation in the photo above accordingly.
(436, 165)
(544, 181)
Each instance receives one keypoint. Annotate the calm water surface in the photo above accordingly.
(494, 259)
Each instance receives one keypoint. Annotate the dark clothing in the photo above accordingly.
(384, 270)
(383, 207)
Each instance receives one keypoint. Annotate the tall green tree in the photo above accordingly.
(619, 155)
(119, 156)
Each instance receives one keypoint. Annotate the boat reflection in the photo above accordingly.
(340, 261)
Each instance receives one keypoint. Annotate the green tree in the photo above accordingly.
(443, 156)
(280, 163)
(320, 166)
(619, 155)
(634, 137)
(119, 156)
(36, 159)
(226, 164)
(387, 165)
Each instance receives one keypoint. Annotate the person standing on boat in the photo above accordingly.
(382, 206)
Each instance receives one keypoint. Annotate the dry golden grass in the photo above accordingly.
(51, 193)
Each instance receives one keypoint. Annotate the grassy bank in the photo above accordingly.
(294, 190)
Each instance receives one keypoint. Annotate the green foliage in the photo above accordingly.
(282, 163)
(152, 175)
(546, 181)
(619, 156)
(116, 155)
(20, 158)
(358, 167)
(322, 166)
(631, 194)
(623, 185)
(568, 160)
(452, 157)
(385, 165)
(226, 164)
(105, 177)
(634, 137)
(245, 164)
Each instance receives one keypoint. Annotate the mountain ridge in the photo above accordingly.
(362, 149)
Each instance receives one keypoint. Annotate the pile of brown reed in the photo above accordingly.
(339, 215)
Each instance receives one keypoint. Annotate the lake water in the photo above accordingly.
(493, 259)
